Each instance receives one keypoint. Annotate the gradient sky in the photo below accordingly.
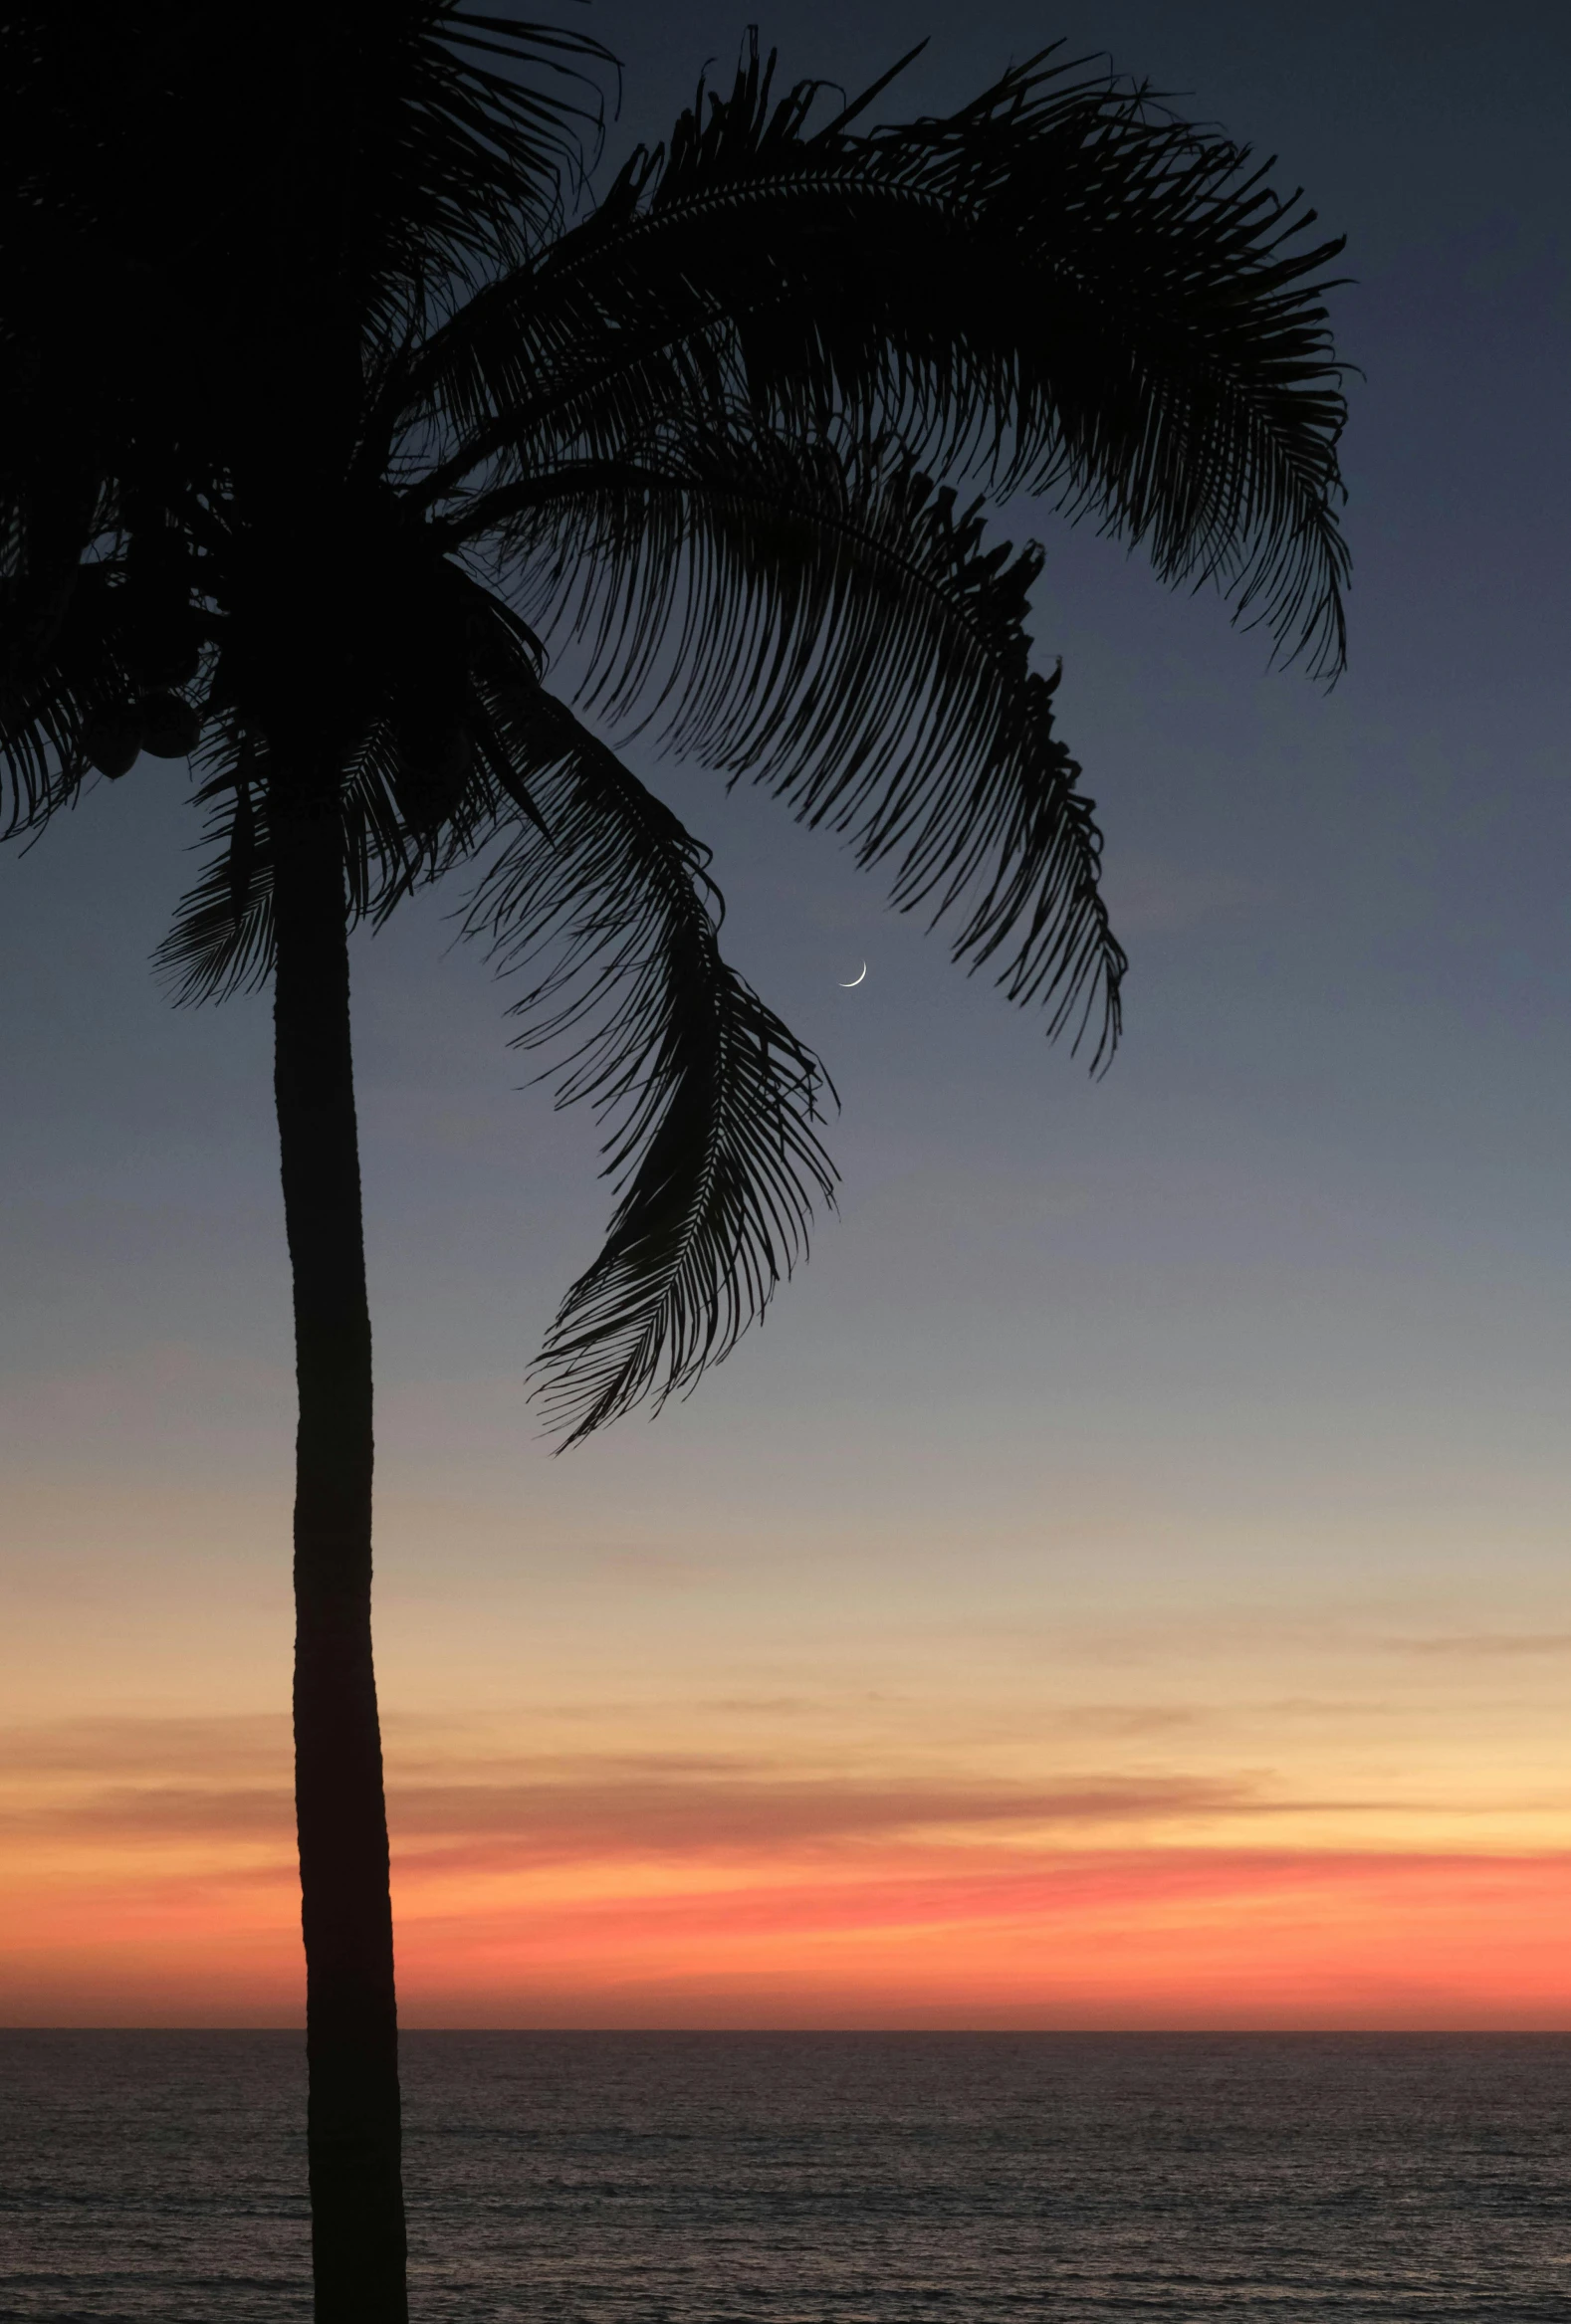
(1124, 1582)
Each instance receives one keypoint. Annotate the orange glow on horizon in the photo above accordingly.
(148, 1866)
(968, 1937)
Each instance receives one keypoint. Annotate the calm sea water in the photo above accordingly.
(808, 2178)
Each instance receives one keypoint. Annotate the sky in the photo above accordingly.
(1123, 1583)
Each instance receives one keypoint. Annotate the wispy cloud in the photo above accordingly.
(658, 1569)
(129, 1783)
(1487, 1644)
(653, 1808)
(219, 1746)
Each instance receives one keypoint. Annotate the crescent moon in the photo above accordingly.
(846, 987)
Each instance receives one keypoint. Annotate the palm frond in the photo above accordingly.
(222, 939)
(709, 1101)
(819, 619)
(41, 720)
(1057, 288)
(482, 121)
(62, 659)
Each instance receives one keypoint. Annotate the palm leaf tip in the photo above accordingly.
(710, 1104)
(712, 1217)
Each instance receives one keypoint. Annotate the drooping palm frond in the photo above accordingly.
(709, 1101)
(818, 617)
(41, 715)
(1058, 288)
(222, 939)
(64, 656)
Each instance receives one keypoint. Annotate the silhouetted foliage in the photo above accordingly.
(697, 430)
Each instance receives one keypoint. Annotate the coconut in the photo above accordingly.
(111, 740)
(170, 728)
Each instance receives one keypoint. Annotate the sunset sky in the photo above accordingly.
(1124, 1583)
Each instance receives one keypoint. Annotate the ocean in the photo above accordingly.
(812, 2178)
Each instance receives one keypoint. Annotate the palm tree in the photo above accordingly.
(331, 401)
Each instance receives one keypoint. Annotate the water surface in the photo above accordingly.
(812, 2178)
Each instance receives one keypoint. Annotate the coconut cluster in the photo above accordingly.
(162, 723)
(159, 636)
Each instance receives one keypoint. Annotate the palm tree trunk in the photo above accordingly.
(351, 2028)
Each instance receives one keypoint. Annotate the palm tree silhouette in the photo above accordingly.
(331, 399)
